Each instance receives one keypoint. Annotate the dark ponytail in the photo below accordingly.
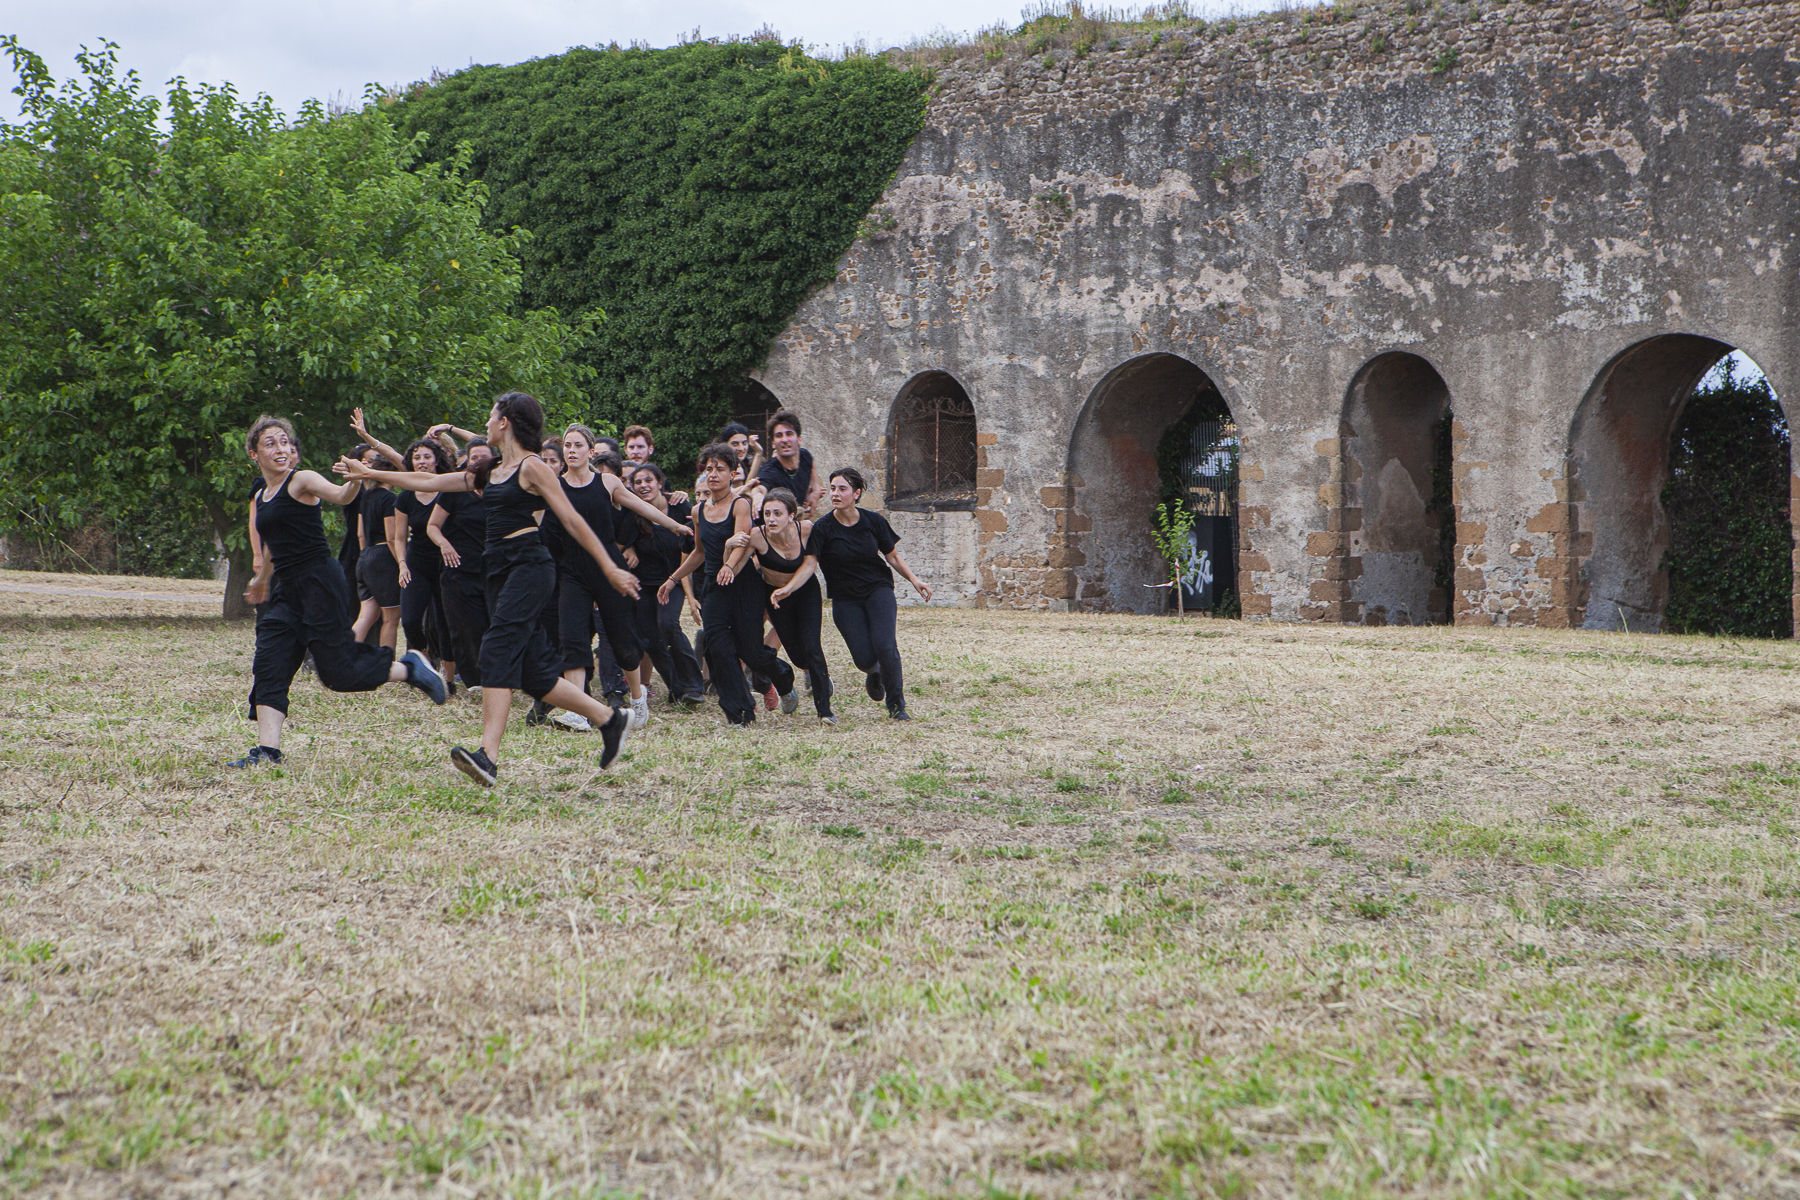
(526, 416)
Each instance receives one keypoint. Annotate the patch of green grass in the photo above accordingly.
(842, 831)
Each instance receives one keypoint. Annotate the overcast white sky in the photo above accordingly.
(331, 48)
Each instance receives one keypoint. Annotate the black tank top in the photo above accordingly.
(510, 508)
(714, 535)
(593, 505)
(771, 561)
(292, 533)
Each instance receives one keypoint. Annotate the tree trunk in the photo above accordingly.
(238, 569)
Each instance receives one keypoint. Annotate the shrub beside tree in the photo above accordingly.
(1730, 559)
(169, 271)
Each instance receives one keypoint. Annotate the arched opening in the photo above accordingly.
(1398, 508)
(1678, 484)
(1116, 481)
(752, 405)
(931, 440)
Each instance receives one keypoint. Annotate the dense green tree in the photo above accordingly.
(1730, 557)
(168, 272)
(696, 193)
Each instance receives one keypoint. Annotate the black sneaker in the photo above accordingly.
(612, 736)
(260, 754)
(898, 714)
(476, 765)
(539, 714)
(872, 685)
(692, 700)
(422, 675)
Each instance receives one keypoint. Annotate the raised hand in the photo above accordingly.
(356, 424)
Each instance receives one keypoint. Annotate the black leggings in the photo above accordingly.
(464, 594)
(306, 612)
(796, 623)
(515, 653)
(868, 626)
(665, 645)
(733, 619)
(584, 589)
(422, 606)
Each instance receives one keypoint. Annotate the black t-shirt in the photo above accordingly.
(377, 507)
(851, 555)
(465, 526)
(594, 505)
(799, 481)
(418, 515)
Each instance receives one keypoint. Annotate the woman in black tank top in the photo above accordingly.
(520, 577)
(731, 606)
(305, 608)
(583, 585)
(779, 544)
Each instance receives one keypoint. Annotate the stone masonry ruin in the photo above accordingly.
(1546, 220)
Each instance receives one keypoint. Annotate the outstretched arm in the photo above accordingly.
(386, 451)
(622, 495)
(311, 483)
(924, 589)
(412, 481)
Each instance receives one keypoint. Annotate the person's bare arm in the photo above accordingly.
(537, 477)
(396, 540)
(311, 483)
(689, 564)
(735, 559)
(434, 529)
(362, 431)
(808, 565)
(625, 497)
(412, 481)
(257, 591)
(899, 561)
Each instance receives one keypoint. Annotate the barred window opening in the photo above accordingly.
(934, 444)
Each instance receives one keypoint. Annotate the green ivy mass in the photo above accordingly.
(695, 194)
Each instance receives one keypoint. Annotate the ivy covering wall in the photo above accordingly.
(1729, 561)
(695, 194)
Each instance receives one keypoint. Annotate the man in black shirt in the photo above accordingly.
(792, 465)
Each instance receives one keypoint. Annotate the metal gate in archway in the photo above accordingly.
(1209, 472)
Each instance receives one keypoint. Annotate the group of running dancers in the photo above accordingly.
(501, 554)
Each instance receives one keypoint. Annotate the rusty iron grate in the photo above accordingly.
(934, 449)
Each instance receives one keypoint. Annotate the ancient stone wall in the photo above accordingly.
(1548, 215)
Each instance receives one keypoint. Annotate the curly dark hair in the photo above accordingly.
(438, 456)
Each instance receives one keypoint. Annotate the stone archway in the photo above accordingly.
(1396, 505)
(1103, 536)
(1611, 536)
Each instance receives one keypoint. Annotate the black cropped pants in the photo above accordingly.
(305, 612)
(464, 594)
(797, 623)
(515, 653)
(584, 590)
(421, 605)
(869, 629)
(733, 619)
(666, 645)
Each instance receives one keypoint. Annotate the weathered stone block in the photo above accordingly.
(1552, 518)
(1066, 556)
(1057, 497)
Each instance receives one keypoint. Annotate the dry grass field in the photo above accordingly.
(1133, 908)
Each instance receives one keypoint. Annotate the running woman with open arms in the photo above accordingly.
(855, 547)
(780, 547)
(733, 599)
(520, 578)
(306, 595)
(585, 584)
(659, 551)
(459, 527)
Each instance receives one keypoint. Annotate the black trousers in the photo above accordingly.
(666, 645)
(464, 595)
(733, 619)
(868, 626)
(306, 612)
(421, 605)
(584, 592)
(515, 653)
(797, 623)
